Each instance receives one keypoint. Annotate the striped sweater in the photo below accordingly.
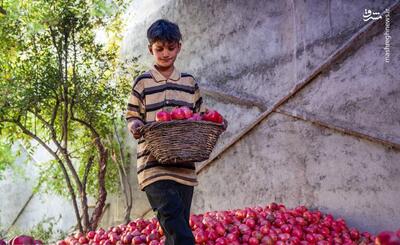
(152, 92)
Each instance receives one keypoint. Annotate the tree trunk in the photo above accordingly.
(62, 56)
(101, 199)
(85, 208)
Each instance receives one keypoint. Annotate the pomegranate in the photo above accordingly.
(213, 116)
(22, 240)
(177, 114)
(137, 240)
(163, 116)
(195, 117)
(387, 238)
(187, 111)
(90, 235)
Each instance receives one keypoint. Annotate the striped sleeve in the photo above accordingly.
(198, 100)
(135, 109)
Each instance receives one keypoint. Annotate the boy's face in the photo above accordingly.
(165, 53)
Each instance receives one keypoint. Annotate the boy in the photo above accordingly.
(168, 187)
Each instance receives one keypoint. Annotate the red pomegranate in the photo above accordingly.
(177, 114)
(163, 116)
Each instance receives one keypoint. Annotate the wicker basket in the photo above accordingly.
(181, 141)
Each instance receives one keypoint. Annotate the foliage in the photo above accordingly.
(6, 156)
(44, 230)
(62, 88)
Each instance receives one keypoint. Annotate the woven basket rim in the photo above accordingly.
(153, 125)
(169, 143)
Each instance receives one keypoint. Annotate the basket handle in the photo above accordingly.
(140, 130)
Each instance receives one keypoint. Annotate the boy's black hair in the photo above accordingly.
(163, 30)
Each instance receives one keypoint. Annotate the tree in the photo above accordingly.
(62, 89)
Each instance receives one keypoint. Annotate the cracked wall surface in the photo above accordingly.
(297, 163)
(363, 90)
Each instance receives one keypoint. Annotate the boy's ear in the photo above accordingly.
(179, 46)
(150, 49)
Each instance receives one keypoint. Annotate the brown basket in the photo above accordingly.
(181, 141)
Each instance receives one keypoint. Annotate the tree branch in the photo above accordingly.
(85, 207)
(3, 11)
(64, 170)
(59, 53)
(65, 91)
(87, 170)
(47, 124)
(54, 114)
(58, 47)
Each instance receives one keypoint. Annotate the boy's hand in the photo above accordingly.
(134, 129)
(225, 124)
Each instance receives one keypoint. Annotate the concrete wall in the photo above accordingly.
(258, 50)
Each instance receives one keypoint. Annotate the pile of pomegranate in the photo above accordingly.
(273, 224)
(185, 113)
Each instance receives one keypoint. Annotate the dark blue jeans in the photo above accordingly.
(172, 202)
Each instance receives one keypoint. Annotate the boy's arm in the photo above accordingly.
(199, 106)
(135, 109)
